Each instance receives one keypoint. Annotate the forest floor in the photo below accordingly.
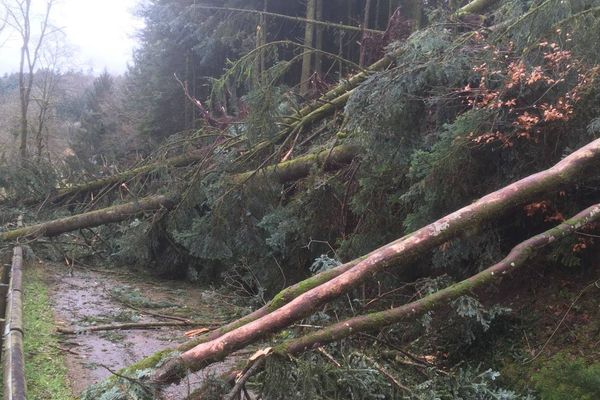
(84, 297)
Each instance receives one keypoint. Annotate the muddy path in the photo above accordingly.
(84, 297)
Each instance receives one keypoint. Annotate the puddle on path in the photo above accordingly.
(86, 296)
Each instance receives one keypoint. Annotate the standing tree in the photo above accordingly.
(20, 19)
(309, 33)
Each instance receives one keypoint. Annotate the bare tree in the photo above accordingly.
(52, 58)
(20, 19)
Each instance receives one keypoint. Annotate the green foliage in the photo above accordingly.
(32, 180)
(464, 384)
(119, 388)
(474, 312)
(360, 377)
(311, 377)
(565, 377)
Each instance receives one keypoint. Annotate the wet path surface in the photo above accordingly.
(93, 297)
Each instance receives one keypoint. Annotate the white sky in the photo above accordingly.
(100, 33)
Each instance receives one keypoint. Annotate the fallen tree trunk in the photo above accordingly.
(281, 173)
(396, 253)
(91, 219)
(300, 167)
(515, 259)
(98, 184)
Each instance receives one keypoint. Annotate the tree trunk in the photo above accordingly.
(91, 219)
(365, 25)
(282, 173)
(475, 7)
(308, 42)
(300, 167)
(516, 259)
(397, 253)
(61, 195)
(319, 40)
(348, 84)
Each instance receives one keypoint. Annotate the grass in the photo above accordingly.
(45, 369)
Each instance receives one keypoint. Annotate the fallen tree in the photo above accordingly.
(65, 193)
(281, 173)
(316, 291)
(300, 167)
(91, 219)
(507, 267)
(517, 258)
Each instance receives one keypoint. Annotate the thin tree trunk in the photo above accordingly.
(397, 253)
(308, 42)
(300, 167)
(319, 39)
(507, 268)
(324, 24)
(365, 25)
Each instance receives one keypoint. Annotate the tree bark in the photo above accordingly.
(300, 167)
(396, 253)
(365, 25)
(91, 219)
(308, 42)
(319, 38)
(516, 259)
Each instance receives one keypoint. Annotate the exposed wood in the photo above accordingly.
(398, 253)
(241, 381)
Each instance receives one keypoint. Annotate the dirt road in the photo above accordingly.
(84, 297)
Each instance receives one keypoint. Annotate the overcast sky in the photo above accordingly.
(100, 33)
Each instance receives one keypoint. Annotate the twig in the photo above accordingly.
(153, 314)
(64, 350)
(132, 380)
(391, 378)
(256, 364)
(329, 357)
(127, 326)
